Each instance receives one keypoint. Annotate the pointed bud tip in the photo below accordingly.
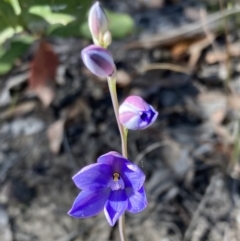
(98, 23)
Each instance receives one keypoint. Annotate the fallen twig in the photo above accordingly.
(165, 66)
(186, 31)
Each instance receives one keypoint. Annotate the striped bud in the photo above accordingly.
(98, 60)
(136, 114)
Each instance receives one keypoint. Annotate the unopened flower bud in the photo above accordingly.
(98, 60)
(136, 114)
(98, 24)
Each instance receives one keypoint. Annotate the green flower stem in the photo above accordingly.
(113, 93)
(123, 133)
(121, 223)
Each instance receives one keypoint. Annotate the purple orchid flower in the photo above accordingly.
(113, 184)
(136, 114)
(98, 60)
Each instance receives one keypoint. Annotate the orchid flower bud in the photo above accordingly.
(136, 114)
(98, 60)
(98, 25)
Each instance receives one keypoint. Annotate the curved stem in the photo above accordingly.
(123, 134)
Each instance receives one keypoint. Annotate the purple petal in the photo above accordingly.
(147, 118)
(129, 120)
(93, 177)
(115, 206)
(137, 103)
(113, 159)
(88, 204)
(137, 200)
(98, 60)
(133, 176)
(126, 116)
(155, 114)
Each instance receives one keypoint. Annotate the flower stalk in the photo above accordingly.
(123, 133)
(113, 92)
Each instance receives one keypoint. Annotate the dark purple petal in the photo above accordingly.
(115, 160)
(88, 204)
(98, 60)
(133, 176)
(148, 118)
(137, 200)
(115, 206)
(93, 177)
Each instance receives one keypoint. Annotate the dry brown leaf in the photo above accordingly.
(180, 49)
(42, 72)
(46, 94)
(214, 106)
(220, 56)
(55, 134)
(192, 47)
(18, 110)
(123, 78)
(234, 102)
(218, 116)
(195, 50)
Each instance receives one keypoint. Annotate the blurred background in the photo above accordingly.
(181, 56)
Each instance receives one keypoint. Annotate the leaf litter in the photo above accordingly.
(42, 73)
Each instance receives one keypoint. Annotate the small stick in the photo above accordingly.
(166, 66)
